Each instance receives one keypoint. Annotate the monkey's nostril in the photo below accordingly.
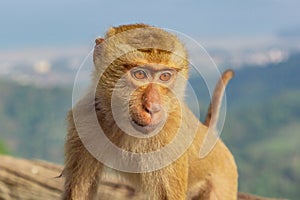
(153, 108)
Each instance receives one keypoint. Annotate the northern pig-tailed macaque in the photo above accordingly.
(137, 99)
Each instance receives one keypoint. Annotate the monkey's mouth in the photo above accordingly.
(147, 122)
(145, 129)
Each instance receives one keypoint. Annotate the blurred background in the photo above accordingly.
(42, 44)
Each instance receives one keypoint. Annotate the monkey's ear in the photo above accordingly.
(99, 41)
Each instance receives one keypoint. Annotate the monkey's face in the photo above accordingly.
(144, 77)
(149, 101)
(145, 96)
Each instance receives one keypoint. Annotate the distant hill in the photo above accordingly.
(254, 84)
(263, 127)
(32, 120)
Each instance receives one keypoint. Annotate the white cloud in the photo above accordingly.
(42, 67)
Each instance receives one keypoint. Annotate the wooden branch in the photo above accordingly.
(24, 179)
(37, 180)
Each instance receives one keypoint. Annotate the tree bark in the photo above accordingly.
(39, 180)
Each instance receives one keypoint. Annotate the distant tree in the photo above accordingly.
(3, 149)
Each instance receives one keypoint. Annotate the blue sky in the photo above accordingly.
(35, 23)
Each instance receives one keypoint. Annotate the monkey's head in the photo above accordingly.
(141, 73)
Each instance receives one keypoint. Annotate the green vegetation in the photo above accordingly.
(265, 141)
(262, 127)
(32, 120)
(3, 149)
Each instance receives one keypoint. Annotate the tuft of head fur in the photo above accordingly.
(128, 45)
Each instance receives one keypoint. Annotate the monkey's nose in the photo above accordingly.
(152, 107)
(151, 100)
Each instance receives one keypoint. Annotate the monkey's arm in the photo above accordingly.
(81, 168)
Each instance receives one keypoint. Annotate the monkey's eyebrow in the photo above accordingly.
(161, 67)
(154, 50)
(130, 65)
(153, 67)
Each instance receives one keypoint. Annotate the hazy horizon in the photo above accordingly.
(35, 24)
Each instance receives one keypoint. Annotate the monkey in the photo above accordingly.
(137, 98)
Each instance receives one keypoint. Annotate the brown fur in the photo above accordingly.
(214, 177)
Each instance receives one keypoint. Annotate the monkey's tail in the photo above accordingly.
(212, 115)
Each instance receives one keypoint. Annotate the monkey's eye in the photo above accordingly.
(165, 76)
(139, 74)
